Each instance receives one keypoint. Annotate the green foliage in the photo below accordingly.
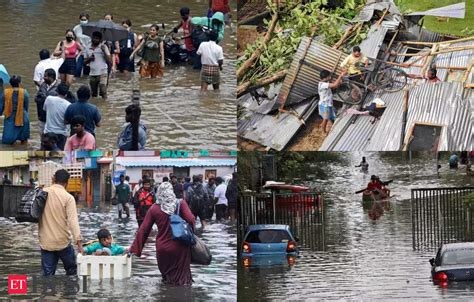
(292, 26)
(469, 200)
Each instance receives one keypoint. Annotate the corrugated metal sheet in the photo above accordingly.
(371, 45)
(439, 103)
(266, 97)
(457, 10)
(368, 11)
(275, 131)
(150, 161)
(318, 57)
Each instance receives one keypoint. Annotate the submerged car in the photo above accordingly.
(292, 194)
(268, 244)
(453, 262)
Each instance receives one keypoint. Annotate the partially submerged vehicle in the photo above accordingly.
(285, 194)
(269, 244)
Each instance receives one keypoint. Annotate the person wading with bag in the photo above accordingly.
(58, 221)
(173, 256)
(143, 200)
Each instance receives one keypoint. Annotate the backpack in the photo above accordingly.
(180, 229)
(197, 197)
(31, 205)
(143, 203)
(200, 34)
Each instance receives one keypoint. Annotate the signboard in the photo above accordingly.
(174, 154)
(159, 173)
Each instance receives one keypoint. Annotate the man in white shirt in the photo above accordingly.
(55, 107)
(220, 199)
(45, 63)
(212, 58)
(97, 57)
(85, 42)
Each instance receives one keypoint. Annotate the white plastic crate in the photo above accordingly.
(105, 267)
(46, 172)
(75, 170)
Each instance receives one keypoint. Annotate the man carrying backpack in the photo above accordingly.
(198, 200)
(143, 200)
(201, 28)
(58, 221)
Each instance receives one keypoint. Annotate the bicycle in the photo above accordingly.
(386, 78)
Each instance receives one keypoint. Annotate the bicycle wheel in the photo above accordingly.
(349, 93)
(391, 80)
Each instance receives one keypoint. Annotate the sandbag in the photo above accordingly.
(31, 205)
(200, 253)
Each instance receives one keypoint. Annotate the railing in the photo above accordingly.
(303, 212)
(439, 215)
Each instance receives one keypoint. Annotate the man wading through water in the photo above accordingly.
(122, 193)
(58, 221)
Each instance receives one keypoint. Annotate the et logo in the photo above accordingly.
(17, 285)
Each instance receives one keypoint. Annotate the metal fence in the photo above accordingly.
(303, 212)
(439, 215)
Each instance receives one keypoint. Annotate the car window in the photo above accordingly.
(464, 256)
(268, 236)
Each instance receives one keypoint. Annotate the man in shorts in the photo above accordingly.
(326, 108)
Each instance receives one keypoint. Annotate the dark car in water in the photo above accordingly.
(269, 244)
(453, 262)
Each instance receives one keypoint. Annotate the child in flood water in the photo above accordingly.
(104, 247)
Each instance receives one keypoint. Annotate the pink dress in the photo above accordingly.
(174, 258)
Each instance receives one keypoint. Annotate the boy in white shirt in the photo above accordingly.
(326, 108)
(212, 58)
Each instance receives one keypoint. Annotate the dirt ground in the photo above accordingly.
(310, 138)
(250, 9)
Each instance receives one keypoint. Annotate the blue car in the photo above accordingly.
(268, 244)
(453, 262)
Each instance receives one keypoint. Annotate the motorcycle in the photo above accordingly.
(175, 52)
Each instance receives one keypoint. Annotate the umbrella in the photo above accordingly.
(4, 74)
(110, 31)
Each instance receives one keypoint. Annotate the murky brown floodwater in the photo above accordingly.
(175, 112)
(20, 254)
(361, 259)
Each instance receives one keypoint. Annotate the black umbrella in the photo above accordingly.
(110, 31)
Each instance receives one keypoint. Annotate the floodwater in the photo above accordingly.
(361, 259)
(20, 254)
(176, 113)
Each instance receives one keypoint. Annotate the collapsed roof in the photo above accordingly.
(444, 108)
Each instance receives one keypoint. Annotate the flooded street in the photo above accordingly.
(361, 259)
(175, 112)
(217, 281)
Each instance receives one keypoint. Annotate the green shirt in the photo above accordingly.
(152, 49)
(114, 248)
(122, 191)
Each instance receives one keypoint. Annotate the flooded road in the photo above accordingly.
(215, 282)
(361, 259)
(176, 113)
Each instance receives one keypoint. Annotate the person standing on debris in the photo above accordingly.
(326, 108)
(122, 193)
(364, 165)
(352, 64)
(430, 77)
(56, 224)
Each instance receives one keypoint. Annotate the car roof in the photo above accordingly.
(458, 246)
(257, 227)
